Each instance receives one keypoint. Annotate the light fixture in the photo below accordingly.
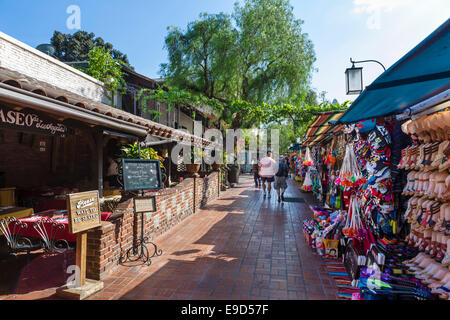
(353, 80)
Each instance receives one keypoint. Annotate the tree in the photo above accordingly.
(276, 57)
(76, 47)
(202, 58)
(292, 121)
(255, 57)
(105, 68)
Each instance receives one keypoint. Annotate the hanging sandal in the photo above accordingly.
(445, 160)
(439, 156)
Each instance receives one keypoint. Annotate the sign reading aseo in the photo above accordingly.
(30, 120)
(84, 211)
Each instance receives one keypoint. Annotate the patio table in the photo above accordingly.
(57, 216)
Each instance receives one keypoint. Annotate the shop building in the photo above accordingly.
(384, 183)
(55, 137)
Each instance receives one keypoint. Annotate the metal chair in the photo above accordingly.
(16, 242)
(48, 237)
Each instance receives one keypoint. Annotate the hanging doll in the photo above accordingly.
(308, 183)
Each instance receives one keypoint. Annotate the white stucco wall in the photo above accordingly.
(19, 57)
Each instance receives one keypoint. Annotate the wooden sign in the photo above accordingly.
(84, 211)
(32, 121)
(144, 204)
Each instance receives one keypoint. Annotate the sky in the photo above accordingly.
(383, 30)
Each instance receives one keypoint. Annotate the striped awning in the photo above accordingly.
(322, 128)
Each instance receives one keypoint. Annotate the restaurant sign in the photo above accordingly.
(30, 120)
(144, 204)
(84, 211)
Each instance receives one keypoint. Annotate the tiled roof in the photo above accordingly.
(30, 84)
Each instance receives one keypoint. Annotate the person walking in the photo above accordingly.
(281, 176)
(267, 171)
(256, 177)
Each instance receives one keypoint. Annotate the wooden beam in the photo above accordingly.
(81, 253)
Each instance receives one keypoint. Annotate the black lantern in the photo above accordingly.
(353, 77)
(353, 80)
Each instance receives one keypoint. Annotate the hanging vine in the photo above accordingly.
(173, 97)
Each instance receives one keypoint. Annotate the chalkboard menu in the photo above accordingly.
(141, 174)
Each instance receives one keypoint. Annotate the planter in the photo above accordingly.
(233, 177)
(216, 166)
(193, 168)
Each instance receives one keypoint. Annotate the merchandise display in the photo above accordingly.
(308, 163)
(392, 232)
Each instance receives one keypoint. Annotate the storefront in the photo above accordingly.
(51, 148)
(390, 238)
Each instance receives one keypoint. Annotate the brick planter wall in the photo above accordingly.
(106, 243)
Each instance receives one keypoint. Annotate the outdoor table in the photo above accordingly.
(57, 216)
(7, 197)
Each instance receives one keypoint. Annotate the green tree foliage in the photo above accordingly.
(173, 96)
(105, 68)
(201, 58)
(275, 56)
(76, 47)
(292, 121)
(255, 57)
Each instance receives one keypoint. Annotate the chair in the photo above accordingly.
(49, 234)
(48, 229)
(12, 229)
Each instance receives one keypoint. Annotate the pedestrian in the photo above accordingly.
(281, 176)
(256, 177)
(267, 172)
(112, 173)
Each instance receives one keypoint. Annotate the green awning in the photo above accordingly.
(422, 73)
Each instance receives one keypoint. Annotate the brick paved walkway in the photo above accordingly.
(240, 246)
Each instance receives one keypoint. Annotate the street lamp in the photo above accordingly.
(353, 77)
(353, 80)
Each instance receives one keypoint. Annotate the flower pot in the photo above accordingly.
(192, 168)
(234, 174)
(216, 166)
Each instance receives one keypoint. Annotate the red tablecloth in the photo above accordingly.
(30, 231)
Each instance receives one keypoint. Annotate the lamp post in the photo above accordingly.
(353, 77)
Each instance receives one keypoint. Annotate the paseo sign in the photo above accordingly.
(84, 211)
(30, 120)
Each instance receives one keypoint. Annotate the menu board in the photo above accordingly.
(144, 204)
(84, 211)
(141, 174)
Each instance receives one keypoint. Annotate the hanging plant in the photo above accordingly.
(147, 153)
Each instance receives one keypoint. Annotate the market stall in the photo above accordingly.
(392, 236)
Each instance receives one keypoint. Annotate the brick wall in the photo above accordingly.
(106, 243)
(19, 57)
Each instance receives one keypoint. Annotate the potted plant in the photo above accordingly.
(133, 151)
(217, 166)
(194, 167)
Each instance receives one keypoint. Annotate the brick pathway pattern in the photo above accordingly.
(240, 246)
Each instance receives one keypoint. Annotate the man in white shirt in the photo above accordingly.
(267, 170)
